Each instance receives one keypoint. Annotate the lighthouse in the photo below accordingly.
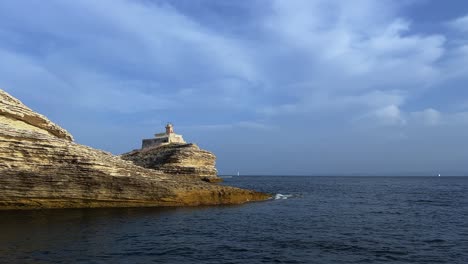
(169, 129)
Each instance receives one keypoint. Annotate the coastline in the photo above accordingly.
(41, 167)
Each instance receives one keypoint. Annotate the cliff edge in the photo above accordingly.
(177, 159)
(41, 167)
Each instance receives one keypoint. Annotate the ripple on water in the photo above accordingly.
(336, 220)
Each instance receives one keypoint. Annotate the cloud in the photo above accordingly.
(323, 101)
(337, 55)
(343, 58)
(255, 125)
(390, 115)
(324, 66)
(355, 41)
(460, 24)
(120, 51)
(459, 118)
(430, 117)
(393, 116)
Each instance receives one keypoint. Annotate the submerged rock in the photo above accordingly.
(41, 167)
(177, 159)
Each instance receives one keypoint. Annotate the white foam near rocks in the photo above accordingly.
(280, 196)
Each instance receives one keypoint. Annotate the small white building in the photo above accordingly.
(163, 138)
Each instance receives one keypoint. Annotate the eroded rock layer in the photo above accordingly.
(177, 159)
(41, 167)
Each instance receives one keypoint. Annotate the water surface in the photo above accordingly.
(327, 220)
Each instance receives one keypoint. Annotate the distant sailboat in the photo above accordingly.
(439, 174)
(238, 173)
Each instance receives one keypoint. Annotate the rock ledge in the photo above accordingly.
(177, 159)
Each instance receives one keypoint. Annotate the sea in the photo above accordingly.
(309, 220)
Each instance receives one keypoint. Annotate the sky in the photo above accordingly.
(284, 87)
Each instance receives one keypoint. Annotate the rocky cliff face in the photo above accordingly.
(41, 167)
(177, 159)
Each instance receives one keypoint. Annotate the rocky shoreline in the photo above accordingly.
(41, 167)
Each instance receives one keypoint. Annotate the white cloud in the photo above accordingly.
(373, 99)
(255, 125)
(393, 116)
(317, 57)
(346, 73)
(387, 116)
(110, 59)
(337, 103)
(460, 23)
(390, 115)
(344, 56)
(356, 41)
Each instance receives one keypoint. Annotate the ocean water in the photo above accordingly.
(313, 220)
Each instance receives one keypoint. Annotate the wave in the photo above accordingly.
(280, 196)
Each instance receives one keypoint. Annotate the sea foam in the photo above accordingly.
(280, 196)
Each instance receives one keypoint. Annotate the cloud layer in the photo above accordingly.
(331, 71)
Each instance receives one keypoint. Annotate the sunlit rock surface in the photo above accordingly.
(41, 167)
(177, 159)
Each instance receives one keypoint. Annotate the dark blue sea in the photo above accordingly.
(314, 220)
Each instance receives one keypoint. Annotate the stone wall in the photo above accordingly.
(174, 138)
(146, 143)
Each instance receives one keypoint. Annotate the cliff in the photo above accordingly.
(177, 159)
(41, 167)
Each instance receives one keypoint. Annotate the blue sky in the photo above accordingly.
(271, 87)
